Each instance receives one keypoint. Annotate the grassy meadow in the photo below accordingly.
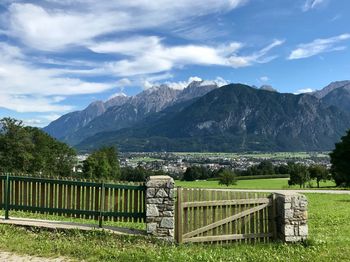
(329, 240)
(271, 183)
(257, 155)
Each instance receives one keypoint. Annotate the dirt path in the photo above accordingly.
(11, 257)
(319, 191)
(285, 191)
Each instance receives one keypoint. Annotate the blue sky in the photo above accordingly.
(57, 56)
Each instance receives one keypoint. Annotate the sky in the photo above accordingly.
(57, 56)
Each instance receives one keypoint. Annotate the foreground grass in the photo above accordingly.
(272, 183)
(329, 226)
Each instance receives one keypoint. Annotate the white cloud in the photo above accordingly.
(264, 79)
(318, 46)
(237, 61)
(311, 4)
(29, 88)
(219, 81)
(32, 122)
(123, 82)
(41, 120)
(51, 117)
(149, 55)
(46, 28)
(302, 91)
(24, 103)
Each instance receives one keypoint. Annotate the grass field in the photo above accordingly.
(258, 155)
(329, 227)
(136, 160)
(273, 183)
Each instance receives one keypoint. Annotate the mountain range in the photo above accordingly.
(122, 111)
(205, 117)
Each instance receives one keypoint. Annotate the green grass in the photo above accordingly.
(272, 183)
(329, 240)
(144, 159)
(257, 155)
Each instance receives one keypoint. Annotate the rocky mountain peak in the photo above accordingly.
(117, 100)
(196, 89)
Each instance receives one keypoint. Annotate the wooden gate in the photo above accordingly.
(224, 216)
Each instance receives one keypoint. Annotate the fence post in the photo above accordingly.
(274, 217)
(291, 217)
(179, 225)
(7, 196)
(160, 207)
(102, 204)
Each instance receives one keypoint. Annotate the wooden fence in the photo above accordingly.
(78, 199)
(218, 216)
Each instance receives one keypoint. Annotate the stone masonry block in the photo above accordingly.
(303, 230)
(154, 200)
(167, 222)
(152, 210)
(161, 193)
(150, 192)
(288, 230)
(151, 228)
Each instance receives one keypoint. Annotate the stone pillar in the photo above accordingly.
(291, 221)
(160, 207)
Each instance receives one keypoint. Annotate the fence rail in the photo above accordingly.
(80, 199)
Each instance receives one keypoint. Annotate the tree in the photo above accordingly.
(319, 172)
(340, 160)
(15, 146)
(299, 174)
(282, 169)
(138, 174)
(263, 168)
(102, 164)
(30, 150)
(266, 168)
(51, 157)
(196, 172)
(227, 177)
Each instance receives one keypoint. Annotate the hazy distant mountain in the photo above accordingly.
(235, 118)
(122, 111)
(339, 97)
(335, 94)
(71, 122)
(332, 86)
